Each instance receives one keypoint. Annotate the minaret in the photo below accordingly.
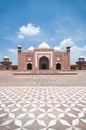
(68, 56)
(19, 56)
(68, 48)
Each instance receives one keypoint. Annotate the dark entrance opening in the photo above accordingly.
(58, 66)
(44, 66)
(80, 68)
(7, 68)
(29, 66)
(44, 63)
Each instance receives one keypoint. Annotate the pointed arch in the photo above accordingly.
(58, 66)
(43, 63)
(29, 66)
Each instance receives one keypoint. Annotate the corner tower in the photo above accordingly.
(68, 57)
(19, 50)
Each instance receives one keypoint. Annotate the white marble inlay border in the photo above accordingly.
(43, 54)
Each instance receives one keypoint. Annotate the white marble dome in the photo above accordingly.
(6, 57)
(56, 48)
(43, 45)
(31, 48)
(19, 45)
(81, 56)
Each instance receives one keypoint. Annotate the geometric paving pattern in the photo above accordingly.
(42, 108)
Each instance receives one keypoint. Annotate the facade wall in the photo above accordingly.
(33, 58)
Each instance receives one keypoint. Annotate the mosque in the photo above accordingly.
(43, 58)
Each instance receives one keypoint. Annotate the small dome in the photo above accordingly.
(19, 45)
(81, 57)
(68, 45)
(43, 45)
(56, 48)
(6, 57)
(31, 48)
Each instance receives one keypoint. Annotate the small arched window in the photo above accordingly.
(58, 66)
(29, 66)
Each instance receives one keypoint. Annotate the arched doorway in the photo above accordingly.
(43, 63)
(29, 66)
(58, 66)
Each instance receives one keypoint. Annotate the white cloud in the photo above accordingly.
(12, 50)
(28, 30)
(20, 36)
(80, 49)
(66, 42)
(76, 51)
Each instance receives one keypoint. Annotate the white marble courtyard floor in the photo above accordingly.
(42, 102)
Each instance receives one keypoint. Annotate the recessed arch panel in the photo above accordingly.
(43, 63)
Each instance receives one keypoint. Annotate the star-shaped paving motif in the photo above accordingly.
(40, 108)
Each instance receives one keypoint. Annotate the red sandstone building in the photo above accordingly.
(43, 58)
(6, 64)
(80, 64)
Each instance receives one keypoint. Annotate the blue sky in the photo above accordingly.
(30, 22)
